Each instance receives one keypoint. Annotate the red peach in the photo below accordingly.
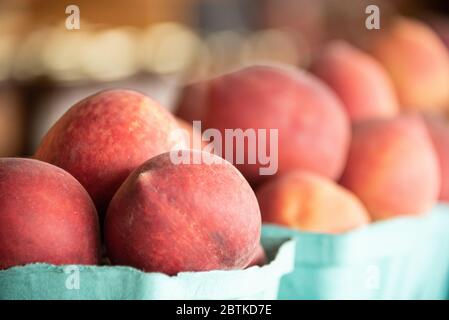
(104, 137)
(170, 217)
(313, 128)
(45, 216)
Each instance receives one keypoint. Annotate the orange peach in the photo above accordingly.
(392, 167)
(418, 63)
(309, 202)
(359, 80)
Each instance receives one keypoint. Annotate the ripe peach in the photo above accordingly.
(170, 217)
(359, 80)
(418, 63)
(309, 202)
(45, 216)
(313, 129)
(104, 137)
(392, 167)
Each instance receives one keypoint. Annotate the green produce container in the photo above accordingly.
(43, 281)
(403, 258)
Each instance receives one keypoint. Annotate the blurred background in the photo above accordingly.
(154, 46)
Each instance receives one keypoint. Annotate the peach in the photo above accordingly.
(359, 80)
(309, 202)
(104, 137)
(171, 217)
(418, 63)
(313, 129)
(439, 133)
(45, 216)
(392, 167)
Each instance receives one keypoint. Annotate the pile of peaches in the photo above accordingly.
(362, 136)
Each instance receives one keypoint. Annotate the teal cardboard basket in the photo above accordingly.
(43, 281)
(403, 258)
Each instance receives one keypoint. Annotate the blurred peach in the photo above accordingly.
(309, 202)
(392, 167)
(312, 128)
(418, 63)
(358, 79)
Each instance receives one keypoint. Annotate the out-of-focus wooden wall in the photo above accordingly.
(113, 12)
